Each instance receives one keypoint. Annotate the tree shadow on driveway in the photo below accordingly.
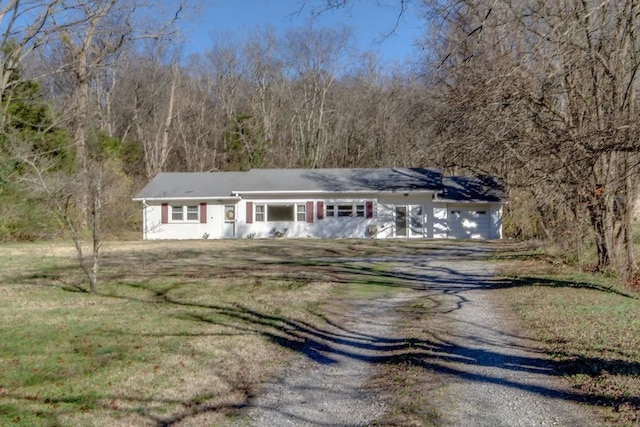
(443, 287)
(331, 338)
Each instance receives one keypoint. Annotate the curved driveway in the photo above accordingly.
(489, 375)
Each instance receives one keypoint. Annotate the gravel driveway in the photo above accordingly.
(491, 375)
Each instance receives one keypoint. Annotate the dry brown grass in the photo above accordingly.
(181, 332)
(184, 332)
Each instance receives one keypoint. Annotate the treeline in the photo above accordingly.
(97, 99)
(126, 97)
(294, 100)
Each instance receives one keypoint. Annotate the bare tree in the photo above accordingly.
(549, 88)
(102, 29)
(77, 41)
(314, 61)
(198, 142)
(229, 94)
(267, 83)
(27, 26)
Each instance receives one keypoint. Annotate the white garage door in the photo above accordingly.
(469, 223)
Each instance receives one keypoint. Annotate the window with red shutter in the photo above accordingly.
(249, 212)
(320, 210)
(310, 212)
(165, 213)
(369, 209)
(203, 213)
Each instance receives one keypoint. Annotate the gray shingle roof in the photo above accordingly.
(472, 189)
(211, 185)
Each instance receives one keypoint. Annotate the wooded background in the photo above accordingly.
(97, 98)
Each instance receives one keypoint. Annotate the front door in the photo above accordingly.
(401, 221)
(229, 226)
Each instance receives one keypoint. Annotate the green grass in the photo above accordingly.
(179, 330)
(590, 324)
(187, 331)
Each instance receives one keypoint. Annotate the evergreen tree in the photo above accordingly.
(28, 130)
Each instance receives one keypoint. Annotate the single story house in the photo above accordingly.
(322, 203)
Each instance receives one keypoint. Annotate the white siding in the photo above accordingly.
(496, 222)
(468, 221)
(151, 222)
(154, 229)
(440, 223)
(436, 219)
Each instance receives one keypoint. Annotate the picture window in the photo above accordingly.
(280, 212)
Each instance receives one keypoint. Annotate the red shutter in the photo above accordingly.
(369, 209)
(249, 212)
(310, 212)
(320, 210)
(203, 213)
(165, 213)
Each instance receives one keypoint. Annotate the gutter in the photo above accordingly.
(144, 219)
(474, 201)
(157, 199)
(280, 192)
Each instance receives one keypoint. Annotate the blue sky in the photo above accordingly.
(370, 21)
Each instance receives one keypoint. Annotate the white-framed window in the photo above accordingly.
(301, 212)
(260, 213)
(177, 213)
(185, 213)
(416, 220)
(193, 213)
(280, 212)
(345, 210)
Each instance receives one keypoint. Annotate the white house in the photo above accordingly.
(323, 203)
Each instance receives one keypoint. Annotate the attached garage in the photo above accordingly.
(469, 208)
(465, 223)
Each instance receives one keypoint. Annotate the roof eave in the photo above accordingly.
(280, 192)
(469, 201)
(157, 199)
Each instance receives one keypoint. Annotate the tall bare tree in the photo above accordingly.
(314, 61)
(101, 30)
(198, 143)
(550, 88)
(78, 40)
(267, 83)
(27, 25)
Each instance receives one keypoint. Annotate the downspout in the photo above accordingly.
(144, 219)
